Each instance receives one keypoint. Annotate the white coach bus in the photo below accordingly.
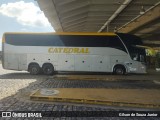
(85, 52)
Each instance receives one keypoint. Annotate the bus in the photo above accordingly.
(84, 52)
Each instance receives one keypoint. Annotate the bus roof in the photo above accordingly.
(65, 33)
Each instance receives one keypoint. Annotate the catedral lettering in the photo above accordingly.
(68, 50)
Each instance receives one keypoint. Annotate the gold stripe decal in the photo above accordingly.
(68, 50)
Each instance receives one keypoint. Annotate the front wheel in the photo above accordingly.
(48, 69)
(119, 70)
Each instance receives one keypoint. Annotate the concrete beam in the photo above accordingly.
(75, 27)
(74, 24)
(65, 14)
(75, 19)
(72, 7)
(149, 16)
(47, 7)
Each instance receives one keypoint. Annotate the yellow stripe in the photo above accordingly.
(64, 33)
(76, 33)
(98, 96)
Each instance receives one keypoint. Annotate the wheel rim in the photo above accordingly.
(34, 70)
(48, 70)
(119, 71)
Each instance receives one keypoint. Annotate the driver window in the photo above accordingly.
(135, 57)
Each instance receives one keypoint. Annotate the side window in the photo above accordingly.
(73, 41)
(134, 56)
(115, 42)
(65, 40)
(84, 41)
(33, 40)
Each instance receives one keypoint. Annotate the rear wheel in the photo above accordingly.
(34, 69)
(48, 69)
(119, 70)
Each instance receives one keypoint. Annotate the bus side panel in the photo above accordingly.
(66, 63)
(42, 58)
(101, 63)
(117, 59)
(11, 61)
(22, 61)
(4, 60)
(83, 62)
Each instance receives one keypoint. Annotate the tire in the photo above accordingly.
(48, 69)
(119, 70)
(34, 69)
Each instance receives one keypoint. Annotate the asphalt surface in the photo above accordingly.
(15, 88)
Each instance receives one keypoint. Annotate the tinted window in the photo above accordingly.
(84, 41)
(131, 41)
(114, 42)
(31, 40)
(64, 40)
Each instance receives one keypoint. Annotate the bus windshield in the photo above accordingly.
(136, 53)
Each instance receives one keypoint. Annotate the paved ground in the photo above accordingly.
(15, 88)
